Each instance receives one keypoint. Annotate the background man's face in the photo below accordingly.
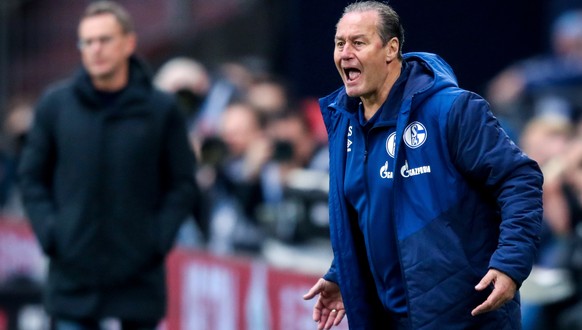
(104, 47)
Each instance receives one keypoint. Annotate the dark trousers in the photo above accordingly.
(400, 322)
(68, 324)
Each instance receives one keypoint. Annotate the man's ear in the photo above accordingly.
(392, 49)
(131, 43)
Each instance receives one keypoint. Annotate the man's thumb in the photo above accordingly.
(314, 290)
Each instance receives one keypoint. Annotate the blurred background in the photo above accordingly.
(295, 38)
(248, 74)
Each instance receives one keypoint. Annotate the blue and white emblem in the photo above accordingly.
(415, 135)
(391, 144)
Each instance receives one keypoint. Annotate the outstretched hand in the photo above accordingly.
(329, 308)
(504, 289)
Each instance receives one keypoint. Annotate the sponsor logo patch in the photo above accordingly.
(408, 172)
(391, 144)
(384, 173)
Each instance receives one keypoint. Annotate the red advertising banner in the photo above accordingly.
(208, 292)
(20, 253)
(205, 291)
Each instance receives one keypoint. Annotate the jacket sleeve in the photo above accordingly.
(36, 166)
(180, 191)
(331, 274)
(490, 161)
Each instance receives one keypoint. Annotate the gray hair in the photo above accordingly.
(110, 7)
(389, 25)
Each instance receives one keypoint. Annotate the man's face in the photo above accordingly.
(239, 128)
(359, 55)
(104, 47)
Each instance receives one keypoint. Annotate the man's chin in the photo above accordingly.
(352, 92)
(100, 74)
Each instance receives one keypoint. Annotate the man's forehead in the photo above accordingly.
(99, 23)
(357, 24)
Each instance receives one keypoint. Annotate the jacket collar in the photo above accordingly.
(138, 88)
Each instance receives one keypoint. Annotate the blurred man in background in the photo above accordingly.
(107, 178)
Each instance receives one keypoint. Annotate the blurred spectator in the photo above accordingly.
(243, 72)
(545, 138)
(539, 101)
(230, 84)
(294, 147)
(310, 107)
(242, 129)
(212, 182)
(230, 175)
(204, 96)
(295, 177)
(566, 181)
(107, 179)
(515, 92)
(553, 141)
(269, 95)
(188, 80)
(15, 127)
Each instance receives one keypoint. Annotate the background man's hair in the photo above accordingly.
(110, 7)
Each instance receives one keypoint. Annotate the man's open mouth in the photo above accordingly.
(352, 73)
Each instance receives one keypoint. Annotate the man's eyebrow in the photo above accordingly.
(358, 36)
(350, 37)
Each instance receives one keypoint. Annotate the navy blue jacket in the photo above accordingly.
(465, 199)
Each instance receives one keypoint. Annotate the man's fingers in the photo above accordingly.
(324, 312)
(485, 281)
(487, 306)
(322, 322)
(503, 290)
(310, 294)
(317, 311)
(483, 308)
(315, 290)
(331, 319)
(339, 317)
(493, 302)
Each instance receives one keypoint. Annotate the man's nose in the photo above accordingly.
(346, 52)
